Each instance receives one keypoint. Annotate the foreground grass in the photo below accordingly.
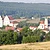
(28, 46)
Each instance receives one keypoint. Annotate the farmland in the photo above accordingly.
(28, 46)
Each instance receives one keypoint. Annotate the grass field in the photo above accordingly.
(28, 46)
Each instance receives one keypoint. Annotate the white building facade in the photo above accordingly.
(6, 21)
(46, 22)
(1, 22)
(43, 24)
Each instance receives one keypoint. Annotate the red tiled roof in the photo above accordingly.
(31, 27)
(9, 28)
(41, 22)
(15, 22)
(19, 29)
(10, 17)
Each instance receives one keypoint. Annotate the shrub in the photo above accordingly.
(15, 37)
(30, 39)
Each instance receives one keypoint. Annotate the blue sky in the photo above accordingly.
(28, 1)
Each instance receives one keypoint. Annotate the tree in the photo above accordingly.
(22, 24)
(30, 39)
(26, 31)
(15, 37)
(19, 38)
(9, 37)
(47, 37)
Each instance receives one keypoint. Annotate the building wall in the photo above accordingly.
(15, 25)
(6, 21)
(46, 23)
(41, 26)
(1, 22)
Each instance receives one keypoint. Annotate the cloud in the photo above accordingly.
(32, 1)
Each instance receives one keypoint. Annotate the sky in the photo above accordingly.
(28, 1)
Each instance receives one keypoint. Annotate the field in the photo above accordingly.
(28, 46)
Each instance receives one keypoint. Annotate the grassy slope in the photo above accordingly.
(32, 46)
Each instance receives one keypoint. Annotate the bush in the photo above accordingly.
(15, 37)
(30, 39)
(8, 37)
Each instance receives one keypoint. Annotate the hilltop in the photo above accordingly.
(24, 9)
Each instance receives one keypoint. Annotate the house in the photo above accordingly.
(1, 22)
(15, 23)
(9, 28)
(46, 22)
(10, 17)
(6, 21)
(19, 29)
(41, 25)
(32, 28)
(11, 24)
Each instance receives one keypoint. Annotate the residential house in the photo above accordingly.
(19, 29)
(6, 21)
(9, 28)
(15, 23)
(1, 22)
(41, 25)
(32, 28)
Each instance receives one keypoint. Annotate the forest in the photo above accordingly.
(24, 9)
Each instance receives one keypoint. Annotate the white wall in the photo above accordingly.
(41, 26)
(1, 22)
(15, 25)
(46, 23)
(6, 21)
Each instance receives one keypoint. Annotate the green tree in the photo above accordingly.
(47, 37)
(15, 37)
(30, 39)
(22, 24)
(9, 37)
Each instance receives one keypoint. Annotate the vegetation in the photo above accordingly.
(24, 36)
(24, 9)
(24, 24)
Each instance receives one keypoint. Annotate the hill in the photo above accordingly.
(28, 46)
(24, 9)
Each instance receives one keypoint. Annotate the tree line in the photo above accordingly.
(24, 36)
(24, 9)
